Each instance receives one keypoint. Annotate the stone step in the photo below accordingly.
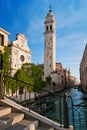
(45, 128)
(18, 127)
(24, 125)
(32, 124)
(4, 111)
(11, 119)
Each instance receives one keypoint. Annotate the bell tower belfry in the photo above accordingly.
(49, 44)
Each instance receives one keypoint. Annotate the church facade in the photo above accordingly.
(20, 53)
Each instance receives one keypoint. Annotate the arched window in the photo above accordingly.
(50, 27)
(47, 28)
(50, 65)
(22, 58)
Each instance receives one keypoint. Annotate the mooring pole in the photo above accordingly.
(66, 118)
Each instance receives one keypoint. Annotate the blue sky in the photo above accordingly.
(27, 16)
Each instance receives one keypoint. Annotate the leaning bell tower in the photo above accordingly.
(49, 44)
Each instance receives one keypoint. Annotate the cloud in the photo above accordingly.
(76, 40)
(72, 17)
(35, 31)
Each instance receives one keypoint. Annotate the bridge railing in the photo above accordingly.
(17, 90)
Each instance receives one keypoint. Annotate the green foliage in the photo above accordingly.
(22, 75)
(39, 85)
(6, 66)
(6, 61)
(32, 70)
(31, 74)
(10, 83)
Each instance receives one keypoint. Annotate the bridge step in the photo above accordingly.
(10, 119)
(17, 121)
(4, 111)
(45, 128)
(32, 125)
(25, 125)
(18, 127)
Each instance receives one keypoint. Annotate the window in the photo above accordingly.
(50, 39)
(22, 58)
(1, 40)
(50, 27)
(47, 28)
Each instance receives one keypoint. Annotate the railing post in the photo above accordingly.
(66, 118)
(1, 87)
(60, 111)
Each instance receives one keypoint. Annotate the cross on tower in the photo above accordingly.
(50, 7)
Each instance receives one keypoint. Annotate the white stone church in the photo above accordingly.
(20, 53)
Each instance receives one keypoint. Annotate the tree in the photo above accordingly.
(23, 76)
(33, 70)
(39, 85)
(31, 74)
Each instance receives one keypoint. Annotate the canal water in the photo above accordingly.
(52, 107)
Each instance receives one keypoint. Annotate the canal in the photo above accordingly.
(52, 107)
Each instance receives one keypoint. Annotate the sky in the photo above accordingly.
(28, 16)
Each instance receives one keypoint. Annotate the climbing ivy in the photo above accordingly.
(6, 61)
